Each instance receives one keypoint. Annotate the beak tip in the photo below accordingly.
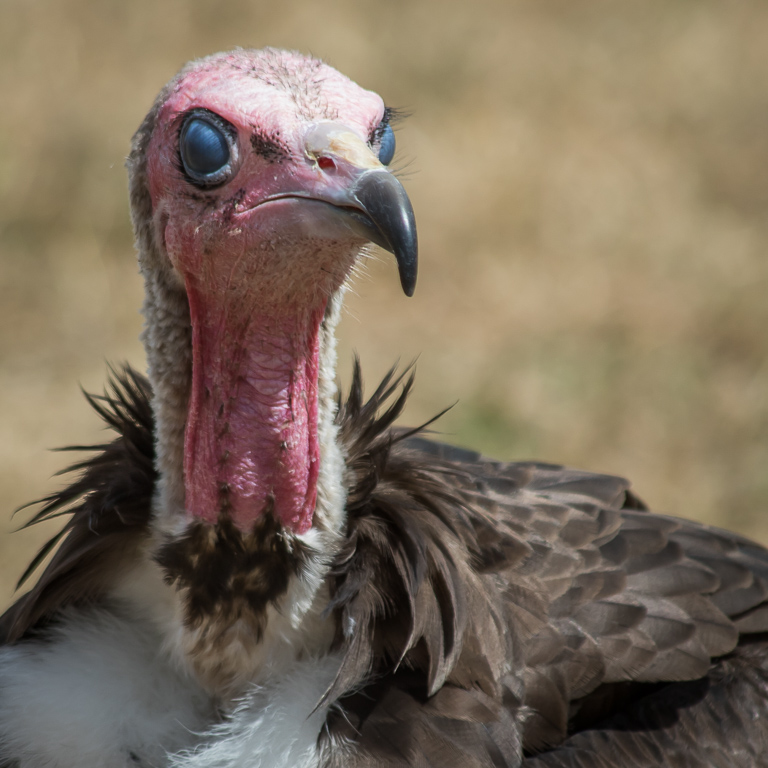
(404, 245)
(408, 278)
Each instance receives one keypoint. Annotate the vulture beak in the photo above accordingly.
(363, 191)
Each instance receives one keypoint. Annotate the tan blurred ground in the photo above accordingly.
(591, 184)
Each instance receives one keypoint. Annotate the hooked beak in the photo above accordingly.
(374, 201)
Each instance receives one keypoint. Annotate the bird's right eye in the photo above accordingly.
(387, 145)
(205, 149)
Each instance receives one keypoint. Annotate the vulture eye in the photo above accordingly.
(387, 145)
(205, 150)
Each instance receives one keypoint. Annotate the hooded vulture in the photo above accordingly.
(260, 572)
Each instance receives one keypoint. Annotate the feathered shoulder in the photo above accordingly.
(107, 508)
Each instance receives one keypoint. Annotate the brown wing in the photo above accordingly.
(551, 591)
(632, 596)
(108, 506)
(714, 722)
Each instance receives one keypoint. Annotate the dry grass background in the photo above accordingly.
(590, 182)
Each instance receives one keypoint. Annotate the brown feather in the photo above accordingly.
(226, 576)
(108, 506)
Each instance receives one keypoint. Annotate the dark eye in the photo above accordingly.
(387, 145)
(205, 150)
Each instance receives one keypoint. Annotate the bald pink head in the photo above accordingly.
(265, 182)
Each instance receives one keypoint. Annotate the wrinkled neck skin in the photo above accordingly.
(168, 340)
(296, 626)
(251, 443)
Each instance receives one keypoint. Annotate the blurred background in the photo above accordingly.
(591, 186)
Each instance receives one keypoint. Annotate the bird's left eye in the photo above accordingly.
(387, 145)
(205, 150)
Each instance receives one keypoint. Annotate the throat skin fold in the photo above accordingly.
(251, 441)
(171, 343)
(257, 296)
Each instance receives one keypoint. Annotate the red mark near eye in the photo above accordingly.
(326, 163)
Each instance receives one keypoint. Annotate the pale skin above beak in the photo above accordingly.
(365, 192)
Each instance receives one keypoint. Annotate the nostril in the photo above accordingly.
(326, 163)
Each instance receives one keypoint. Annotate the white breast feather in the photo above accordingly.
(95, 693)
(274, 726)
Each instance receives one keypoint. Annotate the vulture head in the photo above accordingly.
(257, 180)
